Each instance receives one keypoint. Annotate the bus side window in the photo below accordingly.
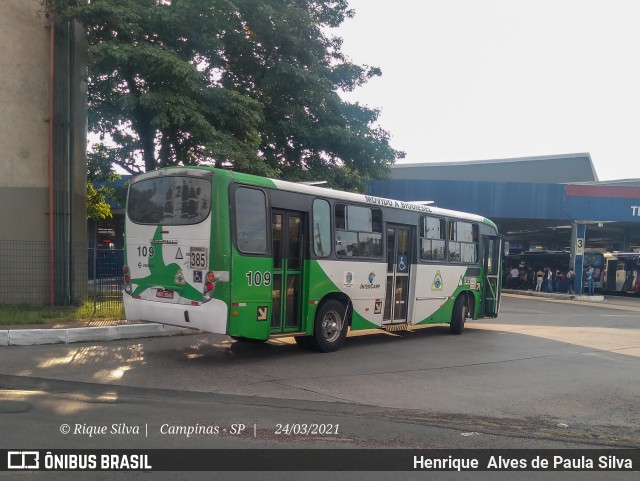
(358, 231)
(321, 228)
(341, 216)
(463, 242)
(432, 239)
(251, 220)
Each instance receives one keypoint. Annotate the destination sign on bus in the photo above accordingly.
(396, 203)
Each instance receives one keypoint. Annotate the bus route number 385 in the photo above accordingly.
(198, 258)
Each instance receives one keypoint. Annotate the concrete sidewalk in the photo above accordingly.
(557, 295)
(19, 335)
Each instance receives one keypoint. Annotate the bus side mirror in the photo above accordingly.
(506, 248)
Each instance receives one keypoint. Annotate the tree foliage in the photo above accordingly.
(100, 173)
(97, 206)
(247, 84)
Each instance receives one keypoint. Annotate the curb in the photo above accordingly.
(32, 337)
(551, 295)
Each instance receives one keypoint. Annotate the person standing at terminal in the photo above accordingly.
(558, 282)
(570, 277)
(531, 278)
(590, 279)
(550, 280)
(539, 277)
(514, 274)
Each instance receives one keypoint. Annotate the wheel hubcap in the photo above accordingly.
(331, 326)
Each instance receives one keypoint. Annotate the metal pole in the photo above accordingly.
(71, 84)
(52, 27)
(95, 266)
(578, 236)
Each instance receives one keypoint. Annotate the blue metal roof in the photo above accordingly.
(489, 199)
(519, 200)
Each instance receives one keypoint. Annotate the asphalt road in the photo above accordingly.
(545, 374)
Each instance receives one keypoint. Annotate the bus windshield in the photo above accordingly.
(170, 200)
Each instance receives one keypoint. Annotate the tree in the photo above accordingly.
(247, 84)
(100, 172)
(295, 71)
(97, 206)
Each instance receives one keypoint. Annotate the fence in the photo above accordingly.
(86, 283)
(105, 276)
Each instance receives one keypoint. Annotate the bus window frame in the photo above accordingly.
(331, 229)
(446, 220)
(234, 223)
(335, 230)
(475, 230)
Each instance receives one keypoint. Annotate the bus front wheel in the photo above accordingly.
(330, 328)
(458, 315)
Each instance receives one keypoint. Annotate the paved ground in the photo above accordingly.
(546, 373)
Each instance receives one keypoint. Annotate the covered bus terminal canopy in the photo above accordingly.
(551, 203)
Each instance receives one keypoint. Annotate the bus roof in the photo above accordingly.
(318, 191)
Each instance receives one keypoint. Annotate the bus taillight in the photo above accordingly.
(127, 279)
(208, 286)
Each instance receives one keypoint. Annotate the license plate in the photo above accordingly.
(164, 294)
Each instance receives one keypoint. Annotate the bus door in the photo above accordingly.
(398, 270)
(288, 229)
(492, 269)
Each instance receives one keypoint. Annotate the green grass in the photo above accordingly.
(12, 315)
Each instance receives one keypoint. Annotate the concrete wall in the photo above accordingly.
(24, 157)
(24, 130)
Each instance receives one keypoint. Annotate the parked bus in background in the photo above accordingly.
(622, 273)
(259, 258)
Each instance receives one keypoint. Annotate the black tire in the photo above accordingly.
(330, 327)
(458, 316)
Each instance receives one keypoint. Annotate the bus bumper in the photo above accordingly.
(209, 317)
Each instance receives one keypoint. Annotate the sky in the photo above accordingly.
(467, 80)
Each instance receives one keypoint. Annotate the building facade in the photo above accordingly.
(538, 202)
(43, 163)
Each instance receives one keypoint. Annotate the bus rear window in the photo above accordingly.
(170, 200)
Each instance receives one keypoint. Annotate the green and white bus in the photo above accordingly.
(258, 258)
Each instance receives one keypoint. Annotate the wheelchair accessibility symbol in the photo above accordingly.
(402, 264)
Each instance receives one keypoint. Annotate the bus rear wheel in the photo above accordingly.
(459, 314)
(330, 327)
